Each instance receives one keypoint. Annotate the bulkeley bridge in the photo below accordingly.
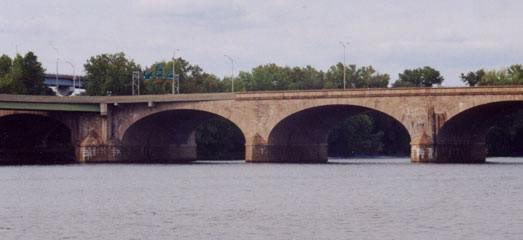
(444, 124)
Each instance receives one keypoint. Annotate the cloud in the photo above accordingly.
(453, 36)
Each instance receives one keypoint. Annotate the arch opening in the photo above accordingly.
(219, 139)
(469, 135)
(182, 136)
(34, 139)
(370, 133)
(304, 136)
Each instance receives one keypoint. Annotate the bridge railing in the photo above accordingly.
(381, 92)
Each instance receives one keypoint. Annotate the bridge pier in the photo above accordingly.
(94, 154)
(424, 151)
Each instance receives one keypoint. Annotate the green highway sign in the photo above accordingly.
(159, 71)
(147, 75)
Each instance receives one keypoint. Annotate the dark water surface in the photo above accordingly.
(346, 199)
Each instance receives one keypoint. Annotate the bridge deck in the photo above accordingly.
(92, 104)
(119, 99)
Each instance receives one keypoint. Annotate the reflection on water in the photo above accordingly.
(344, 199)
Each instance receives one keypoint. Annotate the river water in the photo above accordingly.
(344, 199)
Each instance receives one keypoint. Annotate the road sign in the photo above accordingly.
(159, 71)
(147, 75)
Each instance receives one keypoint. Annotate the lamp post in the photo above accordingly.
(74, 76)
(57, 61)
(232, 73)
(343, 44)
(174, 73)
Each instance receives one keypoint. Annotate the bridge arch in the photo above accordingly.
(462, 138)
(302, 135)
(165, 136)
(34, 138)
(129, 116)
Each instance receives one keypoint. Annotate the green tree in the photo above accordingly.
(199, 81)
(495, 78)
(363, 77)
(367, 77)
(311, 78)
(16, 86)
(472, 78)
(33, 75)
(192, 79)
(355, 136)
(22, 75)
(109, 73)
(396, 140)
(369, 133)
(334, 77)
(5, 65)
(515, 73)
(273, 77)
(219, 139)
(420, 77)
(512, 75)
(265, 78)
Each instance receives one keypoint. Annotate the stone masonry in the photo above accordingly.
(444, 124)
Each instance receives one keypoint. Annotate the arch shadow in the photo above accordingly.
(462, 138)
(168, 136)
(34, 139)
(302, 136)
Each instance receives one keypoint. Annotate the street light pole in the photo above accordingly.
(174, 72)
(74, 76)
(232, 73)
(57, 60)
(343, 44)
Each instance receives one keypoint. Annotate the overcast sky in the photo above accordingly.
(451, 36)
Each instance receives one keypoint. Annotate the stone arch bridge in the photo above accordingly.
(444, 124)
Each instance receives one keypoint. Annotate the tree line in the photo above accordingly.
(22, 75)
(113, 73)
(368, 133)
